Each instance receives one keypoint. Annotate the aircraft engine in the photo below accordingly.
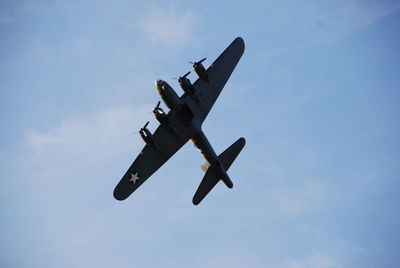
(185, 84)
(160, 114)
(147, 136)
(200, 70)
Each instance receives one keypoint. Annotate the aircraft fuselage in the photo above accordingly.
(185, 120)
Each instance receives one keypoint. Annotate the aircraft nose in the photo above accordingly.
(159, 83)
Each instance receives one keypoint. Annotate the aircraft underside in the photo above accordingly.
(183, 122)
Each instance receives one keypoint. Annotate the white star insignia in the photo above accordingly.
(134, 178)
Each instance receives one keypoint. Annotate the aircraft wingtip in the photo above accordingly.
(240, 40)
(118, 196)
(242, 141)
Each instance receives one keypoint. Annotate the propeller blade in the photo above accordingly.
(186, 74)
(146, 125)
(158, 104)
(198, 62)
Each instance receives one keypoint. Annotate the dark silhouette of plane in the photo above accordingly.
(183, 122)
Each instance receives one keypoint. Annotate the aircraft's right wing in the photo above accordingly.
(149, 161)
(218, 74)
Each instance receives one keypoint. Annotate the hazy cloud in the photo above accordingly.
(13, 11)
(92, 137)
(354, 14)
(297, 200)
(315, 260)
(167, 25)
(324, 21)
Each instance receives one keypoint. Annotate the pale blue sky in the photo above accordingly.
(316, 95)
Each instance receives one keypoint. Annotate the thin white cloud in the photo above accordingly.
(245, 258)
(324, 21)
(167, 25)
(90, 138)
(315, 260)
(302, 199)
(355, 14)
(19, 10)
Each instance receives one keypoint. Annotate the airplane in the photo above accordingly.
(183, 123)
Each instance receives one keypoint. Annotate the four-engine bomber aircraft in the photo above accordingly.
(183, 122)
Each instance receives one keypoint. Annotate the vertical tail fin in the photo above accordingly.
(210, 178)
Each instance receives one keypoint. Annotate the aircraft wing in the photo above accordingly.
(218, 74)
(149, 161)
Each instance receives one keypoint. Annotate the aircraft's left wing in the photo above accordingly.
(150, 159)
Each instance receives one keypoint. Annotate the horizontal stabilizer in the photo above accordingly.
(206, 185)
(230, 154)
(210, 178)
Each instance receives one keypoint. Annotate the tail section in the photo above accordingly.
(211, 178)
(230, 154)
(208, 182)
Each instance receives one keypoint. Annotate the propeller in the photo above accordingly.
(158, 106)
(196, 63)
(143, 128)
(185, 75)
(180, 77)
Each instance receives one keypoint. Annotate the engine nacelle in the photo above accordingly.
(160, 115)
(200, 70)
(186, 85)
(148, 137)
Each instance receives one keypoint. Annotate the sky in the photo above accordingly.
(316, 95)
